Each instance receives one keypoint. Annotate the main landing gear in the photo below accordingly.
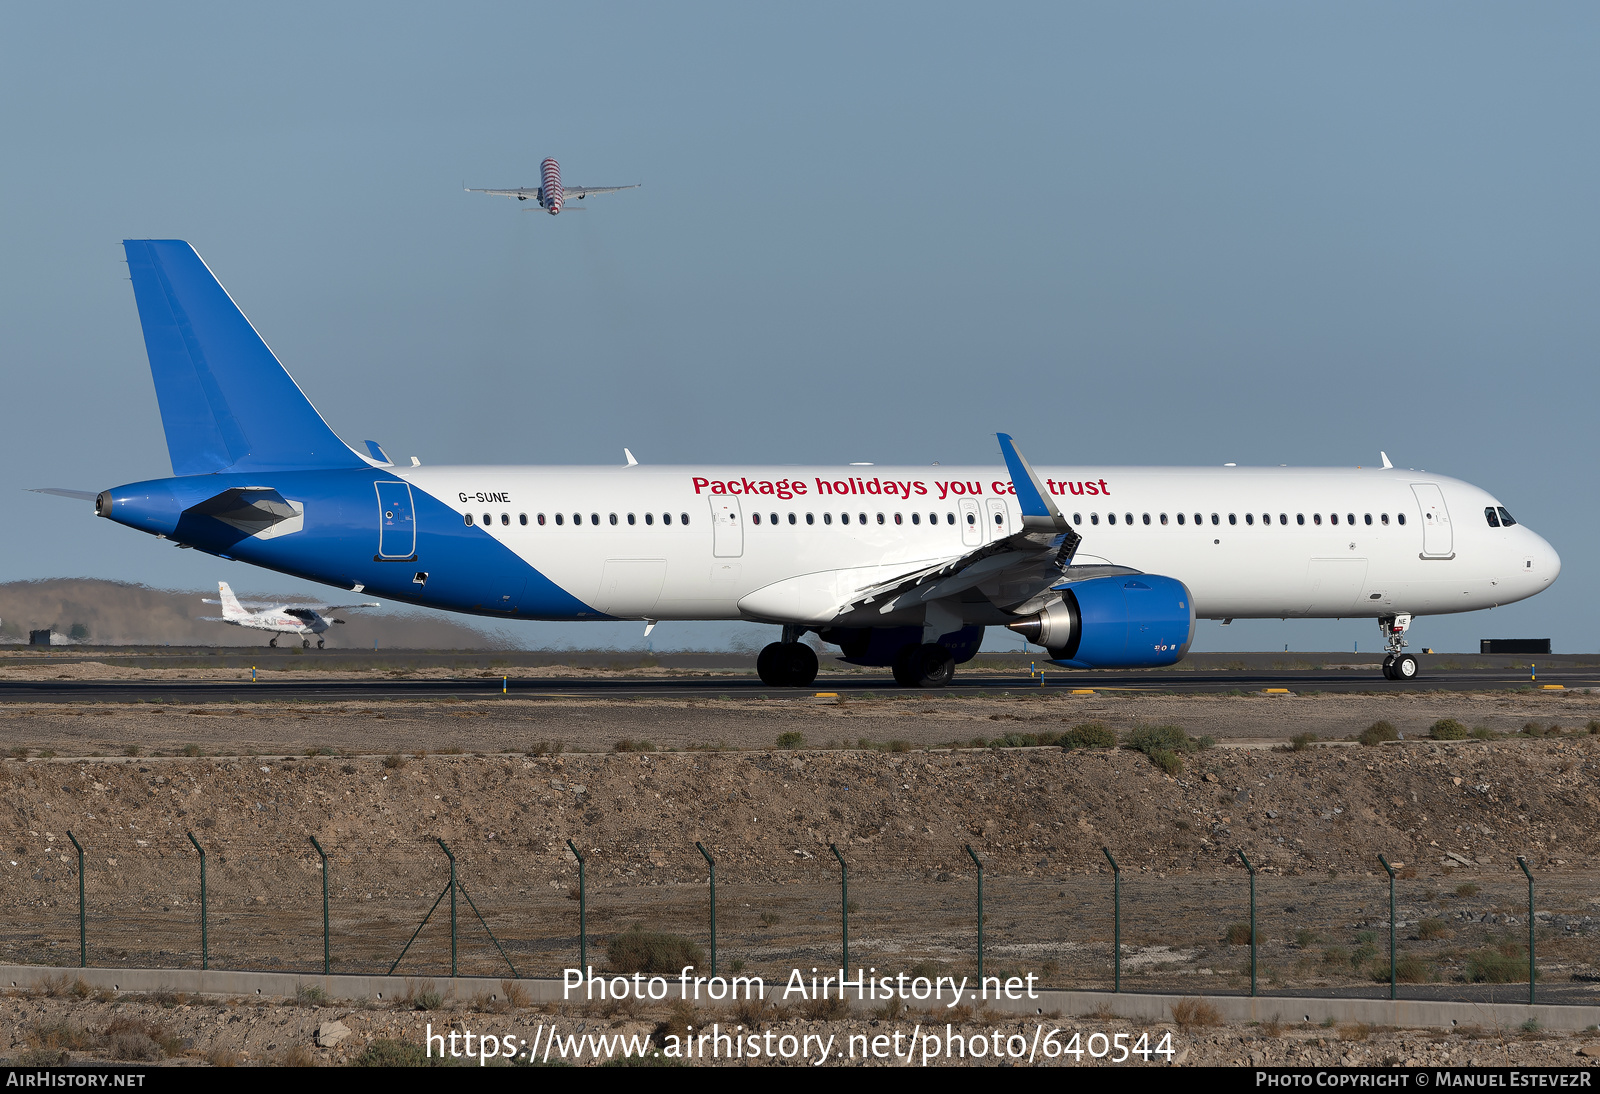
(787, 664)
(1397, 664)
(928, 665)
(273, 642)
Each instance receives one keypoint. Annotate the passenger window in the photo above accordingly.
(1111, 518)
(810, 519)
(1000, 519)
(1233, 519)
(827, 518)
(522, 519)
(898, 519)
(541, 520)
(949, 518)
(1180, 518)
(1077, 518)
(488, 518)
(1369, 518)
(972, 519)
(755, 518)
(861, 518)
(1266, 518)
(1333, 518)
(880, 518)
(1505, 517)
(1147, 518)
(844, 518)
(1094, 518)
(630, 518)
(1249, 518)
(1299, 518)
(1401, 517)
(1383, 518)
(577, 518)
(505, 520)
(1350, 518)
(774, 518)
(468, 518)
(916, 518)
(649, 518)
(1198, 519)
(1163, 518)
(560, 519)
(791, 518)
(1214, 519)
(1316, 518)
(1127, 518)
(613, 518)
(594, 518)
(1283, 518)
(683, 519)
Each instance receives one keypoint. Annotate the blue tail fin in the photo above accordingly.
(226, 402)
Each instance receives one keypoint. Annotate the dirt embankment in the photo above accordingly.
(474, 721)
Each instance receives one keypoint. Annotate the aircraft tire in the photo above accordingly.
(1388, 667)
(319, 643)
(935, 665)
(305, 643)
(1405, 667)
(905, 673)
(273, 642)
(787, 665)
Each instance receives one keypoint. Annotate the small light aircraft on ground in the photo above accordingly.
(277, 617)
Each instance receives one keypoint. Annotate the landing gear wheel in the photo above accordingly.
(273, 642)
(932, 666)
(787, 665)
(1405, 667)
(905, 672)
(305, 643)
(1388, 667)
(319, 643)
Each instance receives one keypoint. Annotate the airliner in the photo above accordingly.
(900, 567)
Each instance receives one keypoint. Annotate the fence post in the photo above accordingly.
(1248, 865)
(324, 855)
(844, 907)
(713, 864)
(1522, 862)
(83, 934)
(1390, 870)
(452, 859)
(583, 923)
(1116, 913)
(973, 855)
(205, 951)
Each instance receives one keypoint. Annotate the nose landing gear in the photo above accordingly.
(1397, 664)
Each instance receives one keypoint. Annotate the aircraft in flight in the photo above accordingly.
(550, 194)
(902, 567)
(278, 618)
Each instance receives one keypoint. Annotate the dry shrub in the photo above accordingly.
(394, 761)
(825, 1010)
(61, 1035)
(128, 1038)
(628, 744)
(421, 995)
(651, 952)
(1272, 1027)
(751, 1012)
(1089, 735)
(1355, 1031)
(1102, 1012)
(1408, 969)
(1238, 934)
(1448, 729)
(224, 1057)
(677, 1022)
(1432, 929)
(298, 1056)
(1193, 1013)
(515, 994)
(1378, 732)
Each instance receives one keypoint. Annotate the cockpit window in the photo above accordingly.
(1491, 516)
(1506, 518)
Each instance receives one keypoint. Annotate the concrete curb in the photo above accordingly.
(1237, 1009)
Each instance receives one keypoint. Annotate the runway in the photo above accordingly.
(864, 684)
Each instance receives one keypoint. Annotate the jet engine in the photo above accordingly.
(1115, 623)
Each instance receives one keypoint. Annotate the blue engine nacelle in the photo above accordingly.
(1142, 621)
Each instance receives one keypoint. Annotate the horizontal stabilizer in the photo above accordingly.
(226, 402)
(78, 495)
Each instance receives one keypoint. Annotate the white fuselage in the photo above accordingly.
(282, 621)
(1248, 542)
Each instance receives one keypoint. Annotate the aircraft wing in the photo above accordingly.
(526, 193)
(340, 607)
(584, 191)
(79, 495)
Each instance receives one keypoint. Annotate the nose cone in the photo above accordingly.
(1546, 563)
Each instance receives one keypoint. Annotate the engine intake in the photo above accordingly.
(1115, 622)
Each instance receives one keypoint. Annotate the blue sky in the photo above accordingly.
(1131, 233)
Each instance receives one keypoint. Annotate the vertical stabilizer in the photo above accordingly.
(231, 608)
(226, 402)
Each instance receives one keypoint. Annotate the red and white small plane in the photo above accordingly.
(302, 619)
(551, 195)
